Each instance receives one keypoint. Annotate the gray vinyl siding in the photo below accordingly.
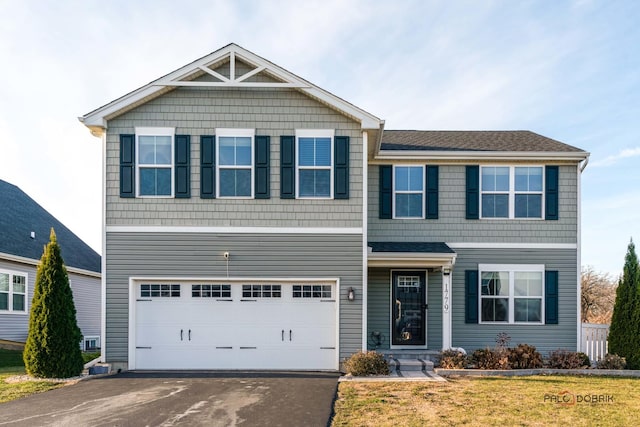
(379, 308)
(86, 296)
(544, 337)
(452, 226)
(272, 112)
(251, 255)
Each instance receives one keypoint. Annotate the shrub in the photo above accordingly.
(453, 359)
(586, 361)
(564, 359)
(491, 358)
(525, 356)
(52, 349)
(612, 361)
(366, 363)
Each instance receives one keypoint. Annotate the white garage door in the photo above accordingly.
(235, 326)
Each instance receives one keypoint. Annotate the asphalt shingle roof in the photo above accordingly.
(424, 247)
(505, 140)
(20, 215)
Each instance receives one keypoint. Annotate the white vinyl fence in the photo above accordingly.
(594, 340)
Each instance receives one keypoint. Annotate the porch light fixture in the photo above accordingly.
(446, 271)
(351, 296)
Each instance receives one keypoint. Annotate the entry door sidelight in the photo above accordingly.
(408, 308)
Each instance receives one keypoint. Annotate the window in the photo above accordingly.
(261, 291)
(408, 183)
(235, 162)
(13, 292)
(211, 291)
(160, 291)
(91, 343)
(511, 294)
(511, 192)
(312, 291)
(155, 161)
(314, 163)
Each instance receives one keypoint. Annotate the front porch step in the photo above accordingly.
(410, 365)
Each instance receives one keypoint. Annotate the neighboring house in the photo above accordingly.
(25, 227)
(254, 220)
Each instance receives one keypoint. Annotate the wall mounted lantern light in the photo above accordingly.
(351, 295)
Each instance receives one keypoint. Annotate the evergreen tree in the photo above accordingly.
(624, 332)
(52, 349)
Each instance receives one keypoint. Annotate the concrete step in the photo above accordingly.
(410, 365)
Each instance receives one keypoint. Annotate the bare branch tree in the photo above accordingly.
(598, 296)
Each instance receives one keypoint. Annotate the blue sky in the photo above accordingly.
(569, 70)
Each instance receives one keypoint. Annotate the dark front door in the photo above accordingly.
(408, 308)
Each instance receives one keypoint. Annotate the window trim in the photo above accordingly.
(155, 131)
(89, 338)
(11, 293)
(394, 192)
(242, 133)
(315, 133)
(512, 269)
(511, 193)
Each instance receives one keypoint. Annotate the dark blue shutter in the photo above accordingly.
(473, 192)
(386, 191)
(431, 186)
(287, 167)
(263, 168)
(208, 167)
(471, 296)
(341, 168)
(551, 192)
(551, 297)
(127, 165)
(183, 166)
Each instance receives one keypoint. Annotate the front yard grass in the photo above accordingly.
(527, 401)
(11, 365)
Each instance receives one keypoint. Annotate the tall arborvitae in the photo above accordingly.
(52, 349)
(624, 333)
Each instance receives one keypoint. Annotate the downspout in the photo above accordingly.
(581, 167)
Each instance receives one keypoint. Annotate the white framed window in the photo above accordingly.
(511, 294)
(512, 191)
(90, 343)
(235, 165)
(13, 292)
(314, 163)
(155, 161)
(408, 191)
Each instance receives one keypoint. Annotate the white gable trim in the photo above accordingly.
(96, 119)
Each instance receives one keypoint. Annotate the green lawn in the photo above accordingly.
(527, 401)
(11, 364)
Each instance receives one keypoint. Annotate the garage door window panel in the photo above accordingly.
(312, 291)
(211, 291)
(261, 291)
(160, 291)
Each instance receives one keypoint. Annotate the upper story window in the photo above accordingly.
(408, 189)
(511, 192)
(236, 162)
(13, 292)
(511, 293)
(314, 163)
(155, 161)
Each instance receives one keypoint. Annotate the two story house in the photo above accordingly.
(253, 220)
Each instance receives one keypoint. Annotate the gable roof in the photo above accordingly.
(20, 215)
(277, 77)
(517, 143)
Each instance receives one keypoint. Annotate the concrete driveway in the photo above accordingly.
(182, 399)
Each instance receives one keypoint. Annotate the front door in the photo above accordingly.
(408, 308)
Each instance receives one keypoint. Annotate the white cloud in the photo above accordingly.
(613, 159)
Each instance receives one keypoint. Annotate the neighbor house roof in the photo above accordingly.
(20, 216)
(492, 140)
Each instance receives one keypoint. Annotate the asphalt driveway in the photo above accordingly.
(182, 399)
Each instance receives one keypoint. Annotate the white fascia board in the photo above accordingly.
(232, 230)
(480, 155)
(34, 262)
(410, 259)
(258, 279)
(96, 117)
(488, 245)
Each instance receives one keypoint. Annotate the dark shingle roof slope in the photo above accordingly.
(425, 247)
(504, 140)
(20, 215)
